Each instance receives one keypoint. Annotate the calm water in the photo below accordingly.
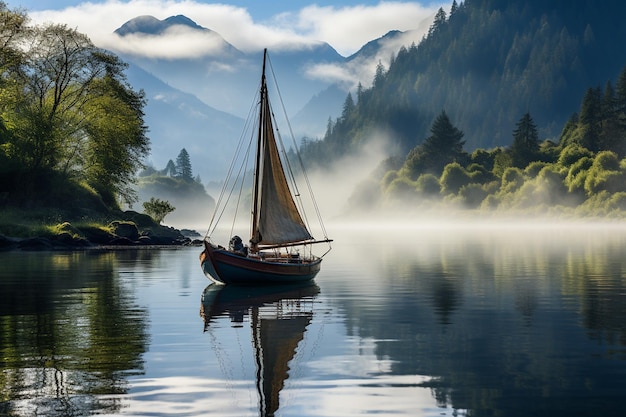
(432, 321)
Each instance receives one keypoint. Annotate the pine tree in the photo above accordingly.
(620, 92)
(170, 169)
(591, 119)
(445, 145)
(348, 107)
(379, 76)
(183, 165)
(525, 146)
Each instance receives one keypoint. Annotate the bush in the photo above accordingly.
(428, 184)
(512, 179)
(454, 177)
(571, 154)
(401, 188)
(158, 209)
(472, 195)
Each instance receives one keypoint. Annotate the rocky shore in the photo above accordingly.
(138, 232)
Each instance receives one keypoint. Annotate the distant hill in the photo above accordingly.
(226, 79)
(180, 120)
(197, 103)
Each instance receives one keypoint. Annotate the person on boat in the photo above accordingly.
(236, 245)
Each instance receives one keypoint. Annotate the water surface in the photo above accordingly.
(421, 320)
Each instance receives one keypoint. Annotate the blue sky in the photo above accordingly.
(247, 24)
(259, 9)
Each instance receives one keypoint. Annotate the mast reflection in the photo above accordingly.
(279, 316)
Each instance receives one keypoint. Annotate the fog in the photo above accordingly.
(409, 218)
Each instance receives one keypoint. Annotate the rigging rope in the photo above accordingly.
(221, 205)
(301, 162)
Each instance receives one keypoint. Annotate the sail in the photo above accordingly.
(275, 342)
(278, 218)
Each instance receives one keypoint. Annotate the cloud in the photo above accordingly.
(348, 28)
(364, 67)
(345, 28)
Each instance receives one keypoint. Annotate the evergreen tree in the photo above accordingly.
(608, 100)
(445, 145)
(438, 22)
(525, 146)
(379, 76)
(454, 8)
(348, 107)
(591, 119)
(183, 165)
(170, 169)
(620, 91)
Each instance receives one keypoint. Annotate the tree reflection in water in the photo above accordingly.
(71, 335)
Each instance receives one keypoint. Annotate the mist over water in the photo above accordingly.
(409, 317)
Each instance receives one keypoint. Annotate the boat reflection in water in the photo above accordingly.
(278, 315)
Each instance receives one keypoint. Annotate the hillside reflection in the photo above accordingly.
(505, 323)
(71, 333)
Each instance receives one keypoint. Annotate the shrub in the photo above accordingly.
(454, 177)
(428, 184)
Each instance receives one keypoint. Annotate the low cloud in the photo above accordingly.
(363, 68)
(344, 28)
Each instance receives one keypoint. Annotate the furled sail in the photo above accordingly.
(278, 218)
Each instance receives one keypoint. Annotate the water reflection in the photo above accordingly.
(70, 331)
(516, 324)
(425, 322)
(278, 316)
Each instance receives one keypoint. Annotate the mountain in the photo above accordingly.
(225, 78)
(486, 64)
(189, 95)
(152, 26)
(180, 120)
(311, 121)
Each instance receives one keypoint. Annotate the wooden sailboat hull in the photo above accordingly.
(225, 267)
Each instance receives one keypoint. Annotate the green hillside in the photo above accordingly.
(503, 107)
(486, 63)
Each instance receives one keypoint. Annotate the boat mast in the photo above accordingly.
(254, 241)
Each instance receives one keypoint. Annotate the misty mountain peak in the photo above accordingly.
(152, 26)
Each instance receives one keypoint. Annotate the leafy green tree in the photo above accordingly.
(157, 209)
(183, 165)
(525, 146)
(454, 177)
(12, 30)
(72, 115)
(428, 184)
(117, 141)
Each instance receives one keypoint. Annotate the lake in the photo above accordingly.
(419, 319)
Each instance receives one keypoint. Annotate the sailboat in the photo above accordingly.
(279, 316)
(279, 249)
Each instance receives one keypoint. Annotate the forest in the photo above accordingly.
(493, 111)
(516, 106)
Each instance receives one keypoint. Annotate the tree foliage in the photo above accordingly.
(525, 146)
(66, 112)
(183, 165)
(486, 63)
(157, 209)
